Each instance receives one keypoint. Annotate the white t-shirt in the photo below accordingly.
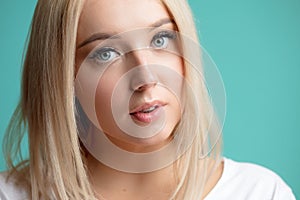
(246, 181)
(239, 181)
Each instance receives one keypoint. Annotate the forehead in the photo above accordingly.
(119, 15)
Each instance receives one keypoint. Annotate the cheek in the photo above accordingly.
(103, 97)
(180, 66)
(177, 79)
(177, 64)
(174, 62)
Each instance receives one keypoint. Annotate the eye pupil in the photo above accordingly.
(159, 42)
(105, 55)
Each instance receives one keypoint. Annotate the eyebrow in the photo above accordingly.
(103, 36)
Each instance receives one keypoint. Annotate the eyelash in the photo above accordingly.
(96, 55)
(166, 35)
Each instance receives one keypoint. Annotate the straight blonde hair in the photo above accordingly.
(56, 168)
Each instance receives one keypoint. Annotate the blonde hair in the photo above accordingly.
(56, 168)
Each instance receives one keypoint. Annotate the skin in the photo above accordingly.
(132, 17)
(114, 17)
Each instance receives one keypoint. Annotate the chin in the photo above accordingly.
(143, 145)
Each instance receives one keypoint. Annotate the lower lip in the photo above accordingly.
(148, 117)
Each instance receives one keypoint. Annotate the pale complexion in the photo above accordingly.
(102, 19)
(110, 18)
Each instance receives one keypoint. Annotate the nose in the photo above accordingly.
(143, 77)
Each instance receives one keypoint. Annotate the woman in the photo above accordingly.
(116, 107)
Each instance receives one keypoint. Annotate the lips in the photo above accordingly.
(147, 112)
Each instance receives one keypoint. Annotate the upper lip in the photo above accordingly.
(147, 105)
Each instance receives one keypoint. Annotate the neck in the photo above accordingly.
(112, 184)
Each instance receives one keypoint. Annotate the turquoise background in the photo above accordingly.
(256, 45)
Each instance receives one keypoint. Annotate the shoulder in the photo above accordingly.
(249, 181)
(10, 189)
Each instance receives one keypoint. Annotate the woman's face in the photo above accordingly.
(129, 46)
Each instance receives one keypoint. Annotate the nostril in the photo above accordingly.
(142, 78)
(145, 86)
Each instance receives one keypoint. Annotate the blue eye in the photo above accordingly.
(105, 54)
(161, 39)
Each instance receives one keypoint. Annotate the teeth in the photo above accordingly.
(148, 110)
